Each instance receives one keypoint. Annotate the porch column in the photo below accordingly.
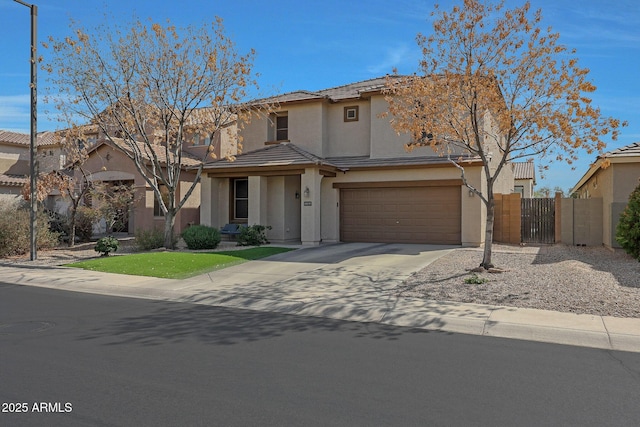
(257, 200)
(206, 196)
(310, 209)
(214, 201)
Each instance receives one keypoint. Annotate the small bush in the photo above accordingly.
(105, 245)
(201, 237)
(475, 280)
(147, 240)
(15, 231)
(628, 229)
(253, 235)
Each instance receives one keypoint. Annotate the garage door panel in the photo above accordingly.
(401, 215)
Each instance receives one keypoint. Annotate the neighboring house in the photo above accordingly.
(108, 164)
(524, 176)
(326, 167)
(612, 177)
(15, 160)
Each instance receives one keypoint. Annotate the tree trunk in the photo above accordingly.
(169, 220)
(488, 237)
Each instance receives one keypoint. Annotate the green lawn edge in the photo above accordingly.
(174, 264)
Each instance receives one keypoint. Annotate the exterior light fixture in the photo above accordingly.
(307, 192)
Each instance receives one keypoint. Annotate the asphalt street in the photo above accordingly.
(76, 359)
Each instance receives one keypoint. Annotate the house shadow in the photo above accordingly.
(623, 267)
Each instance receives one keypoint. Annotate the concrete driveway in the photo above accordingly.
(344, 272)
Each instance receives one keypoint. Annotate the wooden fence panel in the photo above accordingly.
(506, 225)
(538, 220)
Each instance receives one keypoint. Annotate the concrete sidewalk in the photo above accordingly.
(347, 282)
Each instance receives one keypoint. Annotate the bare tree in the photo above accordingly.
(148, 88)
(494, 84)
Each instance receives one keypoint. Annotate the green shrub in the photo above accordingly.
(147, 240)
(201, 237)
(628, 229)
(475, 280)
(105, 245)
(15, 231)
(253, 235)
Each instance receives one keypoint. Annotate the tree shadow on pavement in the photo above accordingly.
(179, 322)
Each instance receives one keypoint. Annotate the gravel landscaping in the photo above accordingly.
(582, 280)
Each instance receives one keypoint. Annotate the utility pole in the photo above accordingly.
(33, 139)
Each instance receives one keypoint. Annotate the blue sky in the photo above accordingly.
(314, 45)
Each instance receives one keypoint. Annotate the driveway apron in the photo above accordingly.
(323, 278)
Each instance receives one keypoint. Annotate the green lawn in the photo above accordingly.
(175, 265)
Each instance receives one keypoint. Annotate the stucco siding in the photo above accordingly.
(348, 138)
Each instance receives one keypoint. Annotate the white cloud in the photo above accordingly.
(14, 112)
(399, 56)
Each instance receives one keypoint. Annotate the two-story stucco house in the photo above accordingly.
(15, 160)
(326, 167)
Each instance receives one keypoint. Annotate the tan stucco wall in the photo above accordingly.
(385, 141)
(613, 185)
(348, 138)
(50, 159)
(14, 160)
(527, 185)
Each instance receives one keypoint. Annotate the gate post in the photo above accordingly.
(558, 217)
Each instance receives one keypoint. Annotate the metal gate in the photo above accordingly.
(538, 220)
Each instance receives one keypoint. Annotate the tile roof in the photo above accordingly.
(355, 90)
(348, 91)
(44, 138)
(286, 154)
(283, 154)
(355, 162)
(13, 180)
(187, 159)
(524, 170)
(626, 151)
(631, 150)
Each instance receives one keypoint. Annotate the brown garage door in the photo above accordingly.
(401, 215)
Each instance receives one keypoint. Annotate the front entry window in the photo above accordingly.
(241, 199)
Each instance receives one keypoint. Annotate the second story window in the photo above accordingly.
(201, 139)
(282, 128)
(279, 127)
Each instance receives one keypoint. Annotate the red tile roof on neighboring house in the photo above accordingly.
(44, 138)
(524, 170)
(13, 180)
